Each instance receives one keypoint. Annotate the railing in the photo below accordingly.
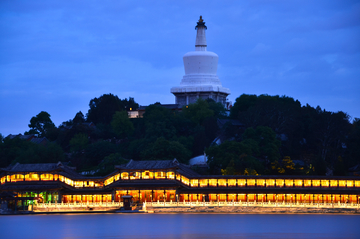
(250, 204)
(78, 205)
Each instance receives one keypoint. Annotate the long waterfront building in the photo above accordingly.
(168, 181)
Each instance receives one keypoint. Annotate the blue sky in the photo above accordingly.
(56, 56)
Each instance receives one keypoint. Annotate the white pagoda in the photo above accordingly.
(200, 79)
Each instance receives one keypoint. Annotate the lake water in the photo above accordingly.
(180, 226)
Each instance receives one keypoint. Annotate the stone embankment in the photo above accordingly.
(264, 210)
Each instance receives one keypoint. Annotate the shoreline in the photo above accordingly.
(207, 210)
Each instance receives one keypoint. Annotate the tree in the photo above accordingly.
(198, 111)
(79, 118)
(121, 124)
(103, 108)
(78, 142)
(163, 149)
(40, 124)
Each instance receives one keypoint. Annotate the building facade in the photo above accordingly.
(168, 181)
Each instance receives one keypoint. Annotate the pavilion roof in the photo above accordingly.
(42, 167)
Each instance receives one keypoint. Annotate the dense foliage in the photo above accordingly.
(263, 135)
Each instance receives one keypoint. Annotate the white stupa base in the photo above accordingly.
(189, 95)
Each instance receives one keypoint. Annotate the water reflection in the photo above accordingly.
(180, 226)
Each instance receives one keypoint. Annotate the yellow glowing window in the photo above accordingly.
(357, 183)
(134, 175)
(350, 183)
(270, 182)
(342, 183)
(222, 182)
(46, 177)
(98, 184)
(194, 183)
(8, 178)
(298, 183)
(232, 182)
(307, 183)
(184, 180)
(17, 177)
(241, 182)
(280, 183)
(325, 183)
(61, 178)
(250, 182)
(260, 182)
(69, 181)
(212, 182)
(79, 184)
(203, 182)
(3, 179)
(124, 175)
(90, 183)
(289, 182)
(32, 177)
(160, 175)
(109, 181)
(242, 197)
(56, 177)
(333, 183)
(178, 177)
(117, 177)
(222, 197)
(170, 175)
(316, 183)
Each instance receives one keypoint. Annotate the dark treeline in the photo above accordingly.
(262, 135)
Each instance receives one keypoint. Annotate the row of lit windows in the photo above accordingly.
(190, 182)
(269, 183)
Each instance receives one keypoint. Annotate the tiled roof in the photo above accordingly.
(154, 164)
(41, 167)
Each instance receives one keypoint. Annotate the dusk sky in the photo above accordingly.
(56, 56)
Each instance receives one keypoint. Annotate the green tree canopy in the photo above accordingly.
(103, 108)
(163, 149)
(121, 124)
(40, 124)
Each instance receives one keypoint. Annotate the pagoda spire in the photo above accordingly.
(200, 43)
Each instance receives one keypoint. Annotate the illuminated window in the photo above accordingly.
(232, 182)
(357, 183)
(46, 177)
(222, 182)
(109, 181)
(298, 183)
(178, 177)
(280, 183)
(333, 183)
(170, 175)
(349, 183)
(307, 183)
(3, 179)
(117, 177)
(316, 183)
(194, 183)
(79, 184)
(241, 182)
(203, 182)
(289, 182)
(325, 183)
(342, 183)
(250, 182)
(260, 182)
(212, 182)
(270, 182)
(124, 175)
(159, 175)
(184, 180)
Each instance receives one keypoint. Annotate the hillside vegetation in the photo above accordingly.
(262, 135)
